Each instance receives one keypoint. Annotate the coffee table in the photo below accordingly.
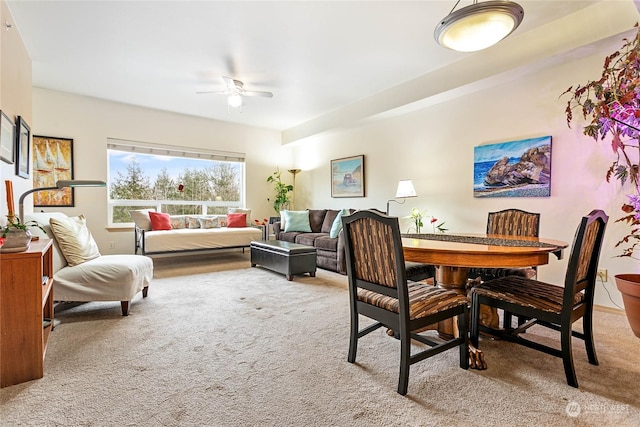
(284, 257)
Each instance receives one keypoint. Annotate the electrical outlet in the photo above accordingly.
(602, 274)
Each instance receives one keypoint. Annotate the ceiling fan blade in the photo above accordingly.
(257, 93)
(229, 83)
(216, 92)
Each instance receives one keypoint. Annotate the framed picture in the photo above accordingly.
(23, 143)
(347, 177)
(52, 161)
(7, 140)
(513, 169)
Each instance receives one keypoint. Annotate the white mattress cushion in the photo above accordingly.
(106, 278)
(199, 238)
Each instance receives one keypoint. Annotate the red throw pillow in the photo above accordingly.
(236, 220)
(160, 221)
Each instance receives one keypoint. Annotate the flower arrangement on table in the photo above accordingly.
(416, 217)
(611, 105)
(259, 223)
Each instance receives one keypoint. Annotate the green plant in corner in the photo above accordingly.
(282, 190)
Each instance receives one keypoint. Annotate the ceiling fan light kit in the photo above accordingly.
(479, 25)
(235, 92)
(235, 100)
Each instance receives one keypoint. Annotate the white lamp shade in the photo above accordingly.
(479, 25)
(405, 189)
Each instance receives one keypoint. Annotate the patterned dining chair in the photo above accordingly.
(379, 290)
(509, 222)
(553, 306)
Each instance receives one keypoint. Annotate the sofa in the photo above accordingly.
(323, 230)
(163, 234)
(330, 253)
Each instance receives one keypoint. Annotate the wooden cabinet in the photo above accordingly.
(26, 312)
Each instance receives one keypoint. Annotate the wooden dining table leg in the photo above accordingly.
(455, 279)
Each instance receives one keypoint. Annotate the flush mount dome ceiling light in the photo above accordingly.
(479, 25)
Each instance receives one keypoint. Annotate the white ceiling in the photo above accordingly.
(316, 57)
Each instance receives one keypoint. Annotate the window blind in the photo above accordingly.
(174, 151)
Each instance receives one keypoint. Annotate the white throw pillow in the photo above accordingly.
(74, 239)
(239, 210)
(282, 220)
(141, 218)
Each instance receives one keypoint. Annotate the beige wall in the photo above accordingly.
(15, 97)
(434, 148)
(90, 121)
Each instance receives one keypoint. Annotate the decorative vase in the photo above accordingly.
(17, 240)
(629, 287)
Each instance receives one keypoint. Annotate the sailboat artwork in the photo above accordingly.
(52, 161)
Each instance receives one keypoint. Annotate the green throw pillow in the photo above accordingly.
(296, 221)
(337, 224)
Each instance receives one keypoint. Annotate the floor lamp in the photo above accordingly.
(405, 189)
(59, 185)
(294, 172)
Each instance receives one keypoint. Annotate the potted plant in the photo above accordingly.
(611, 108)
(281, 200)
(16, 235)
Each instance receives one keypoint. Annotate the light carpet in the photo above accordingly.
(218, 343)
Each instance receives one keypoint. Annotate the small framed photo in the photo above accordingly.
(7, 144)
(347, 177)
(23, 143)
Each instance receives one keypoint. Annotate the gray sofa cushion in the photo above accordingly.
(326, 243)
(328, 220)
(308, 239)
(289, 236)
(316, 218)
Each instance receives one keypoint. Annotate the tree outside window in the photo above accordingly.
(177, 185)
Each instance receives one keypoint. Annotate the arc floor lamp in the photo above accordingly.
(65, 183)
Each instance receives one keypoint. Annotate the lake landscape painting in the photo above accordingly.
(513, 169)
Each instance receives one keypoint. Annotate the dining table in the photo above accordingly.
(453, 255)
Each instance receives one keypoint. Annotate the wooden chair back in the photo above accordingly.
(513, 222)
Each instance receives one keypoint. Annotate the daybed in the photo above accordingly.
(157, 233)
(81, 273)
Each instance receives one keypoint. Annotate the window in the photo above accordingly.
(175, 180)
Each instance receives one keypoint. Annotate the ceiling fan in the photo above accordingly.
(235, 91)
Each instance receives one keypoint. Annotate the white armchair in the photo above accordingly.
(103, 278)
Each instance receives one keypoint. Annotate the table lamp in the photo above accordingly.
(405, 189)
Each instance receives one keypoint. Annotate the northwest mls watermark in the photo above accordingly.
(574, 409)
